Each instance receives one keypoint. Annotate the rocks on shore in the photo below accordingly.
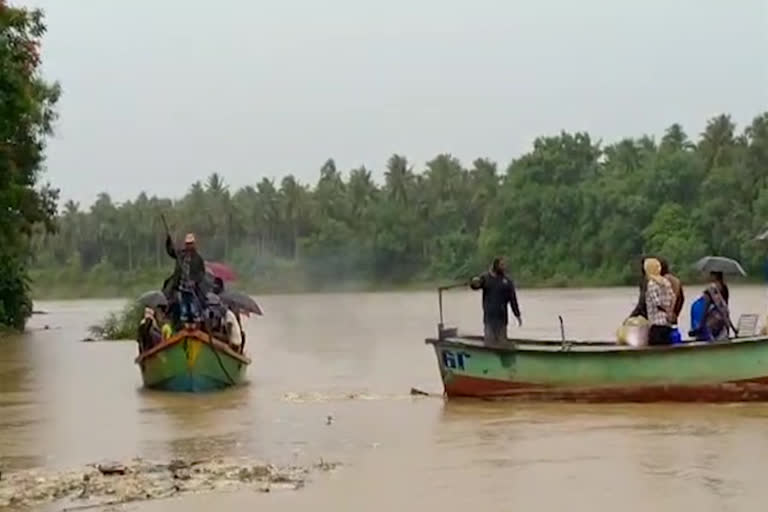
(111, 483)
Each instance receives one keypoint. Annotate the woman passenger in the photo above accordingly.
(659, 301)
(640, 310)
(718, 316)
(677, 289)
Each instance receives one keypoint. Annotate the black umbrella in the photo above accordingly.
(720, 264)
(240, 301)
(153, 299)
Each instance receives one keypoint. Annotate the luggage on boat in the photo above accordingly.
(633, 332)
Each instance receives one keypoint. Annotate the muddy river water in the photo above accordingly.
(330, 380)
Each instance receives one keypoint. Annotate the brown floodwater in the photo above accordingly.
(354, 358)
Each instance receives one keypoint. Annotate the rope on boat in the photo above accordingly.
(209, 332)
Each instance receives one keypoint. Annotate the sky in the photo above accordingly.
(160, 93)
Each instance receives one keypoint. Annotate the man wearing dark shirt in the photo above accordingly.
(187, 280)
(498, 291)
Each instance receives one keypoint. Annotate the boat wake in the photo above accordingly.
(316, 396)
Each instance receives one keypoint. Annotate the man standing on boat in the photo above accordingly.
(187, 278)
(498, 291)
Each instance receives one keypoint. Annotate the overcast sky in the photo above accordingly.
(159, 93)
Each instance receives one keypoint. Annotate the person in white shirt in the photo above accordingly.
(232, 326)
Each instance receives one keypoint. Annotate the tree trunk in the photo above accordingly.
(295, 242)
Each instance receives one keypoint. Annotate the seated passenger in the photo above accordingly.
(699, 329)
(163, 320)
(232, 327)
(149, 333)
(218, 285)
(214, 313)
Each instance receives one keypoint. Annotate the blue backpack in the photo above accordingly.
(698, 315)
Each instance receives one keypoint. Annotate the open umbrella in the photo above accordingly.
(240, 301)
(720, 264)
(220, 270)
(153, 299)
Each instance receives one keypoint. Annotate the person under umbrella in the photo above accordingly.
(710, 314)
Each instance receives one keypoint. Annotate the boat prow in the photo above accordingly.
(192, 361)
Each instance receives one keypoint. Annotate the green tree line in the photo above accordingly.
(570, 211)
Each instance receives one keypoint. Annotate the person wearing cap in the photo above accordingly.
(188, 277)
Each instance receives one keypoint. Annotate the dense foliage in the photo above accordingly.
(570, 211)
(26, 114)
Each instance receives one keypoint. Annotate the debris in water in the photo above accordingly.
(326, 466)
(115, 483)
(329, 420)
(111, 468)
(177, 464)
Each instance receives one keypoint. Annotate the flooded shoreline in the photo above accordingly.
(116, 483)
(331, 380)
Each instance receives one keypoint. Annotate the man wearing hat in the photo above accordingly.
(187, 278)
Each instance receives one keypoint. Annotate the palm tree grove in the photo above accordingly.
(572, 211)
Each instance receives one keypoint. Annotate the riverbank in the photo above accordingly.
(64, 283)
(49, 285)
(115, 483)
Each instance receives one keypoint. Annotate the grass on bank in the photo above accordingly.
(120, 325)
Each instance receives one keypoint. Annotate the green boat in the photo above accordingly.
(191, 361)
(728, 371)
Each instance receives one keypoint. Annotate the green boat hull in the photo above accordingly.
(190, 362)
(729, 371)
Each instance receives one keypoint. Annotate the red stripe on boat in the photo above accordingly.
(736, 391)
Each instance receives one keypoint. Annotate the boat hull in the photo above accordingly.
(733, 371)
(191, 362)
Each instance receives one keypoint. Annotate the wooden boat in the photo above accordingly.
(727, 371)
(192, 361)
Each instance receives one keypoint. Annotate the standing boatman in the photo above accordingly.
(498, 291)
(187, 279)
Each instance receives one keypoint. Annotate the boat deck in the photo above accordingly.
(196, 334)
(580, 346)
